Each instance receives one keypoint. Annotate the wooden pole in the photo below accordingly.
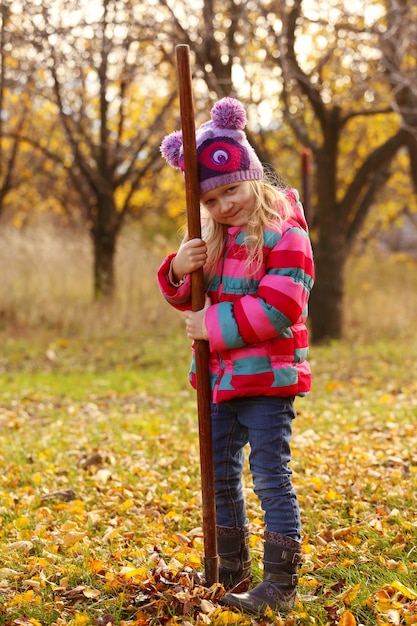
(201, 347)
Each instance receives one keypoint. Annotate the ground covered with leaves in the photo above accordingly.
(100, 501)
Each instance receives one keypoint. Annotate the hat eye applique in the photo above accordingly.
(225, 155)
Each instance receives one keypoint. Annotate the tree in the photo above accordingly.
(13, 107)
(324, 71)
(341, 208)
(398, 43)
(321, 73)
(98, 68)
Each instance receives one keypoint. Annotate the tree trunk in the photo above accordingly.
(104, 253)
(326, 302)
(104, 236)
(104, 245)
(330, 250)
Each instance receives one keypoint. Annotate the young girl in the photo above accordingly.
(258, 268)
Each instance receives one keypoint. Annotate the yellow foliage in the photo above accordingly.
(80, 619)
(347, 619)
(405, 591)
(332, 495)
(350, 594)
(126, 505)
(224, 617)
(27, 598)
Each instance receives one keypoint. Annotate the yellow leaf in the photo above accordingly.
(224, 618)
(310, 583)
(175, 565)
(69, 525)
(347, 619)
(73, 537)
(80, 619)
(110, 534)
(331, 495)
(349, 595)
(97, 566)
(133, 572)
(406, 591)
(384, 602)
(402, 568)
(194, 560)
(91, 593)
(126, 505)
(28, 597)
(317, 483)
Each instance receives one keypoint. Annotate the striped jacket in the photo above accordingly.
(256, 325)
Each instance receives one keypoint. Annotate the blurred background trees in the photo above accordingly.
(88, 90)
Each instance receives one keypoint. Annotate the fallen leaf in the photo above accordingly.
(21, 546)
(406, 591)
(93, 594)
(347, 619)
(66, 495)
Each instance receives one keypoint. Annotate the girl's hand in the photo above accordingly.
(195, 322)
(192, 255)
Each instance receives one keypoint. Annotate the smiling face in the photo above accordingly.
(232, 204)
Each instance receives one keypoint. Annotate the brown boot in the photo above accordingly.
(233, 549)
(278, 590)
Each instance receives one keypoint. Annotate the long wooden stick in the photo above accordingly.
(201, 347)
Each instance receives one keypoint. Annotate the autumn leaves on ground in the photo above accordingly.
(100, 489)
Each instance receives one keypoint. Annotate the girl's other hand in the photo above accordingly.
(195, 322)
(192, 255)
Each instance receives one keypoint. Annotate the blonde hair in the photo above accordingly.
(271, 210)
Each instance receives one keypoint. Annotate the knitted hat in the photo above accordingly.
(223, 151)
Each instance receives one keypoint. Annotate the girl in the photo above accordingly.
(258, 269)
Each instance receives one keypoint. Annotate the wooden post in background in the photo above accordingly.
(306, 171)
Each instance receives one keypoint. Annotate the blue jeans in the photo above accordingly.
(266, 424)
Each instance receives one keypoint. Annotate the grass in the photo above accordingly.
(124, 439)
(100, 503)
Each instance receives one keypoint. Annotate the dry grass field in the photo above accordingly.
(46, 283)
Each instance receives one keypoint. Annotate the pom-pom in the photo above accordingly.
(171, 148)
(229, 113)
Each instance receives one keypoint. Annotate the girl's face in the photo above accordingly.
(231, 204)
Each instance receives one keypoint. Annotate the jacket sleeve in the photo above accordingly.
(280, 302)
(178, 296)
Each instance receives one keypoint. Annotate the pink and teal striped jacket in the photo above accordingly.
(256, 324)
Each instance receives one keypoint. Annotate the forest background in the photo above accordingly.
(88, 90)
(93, 390)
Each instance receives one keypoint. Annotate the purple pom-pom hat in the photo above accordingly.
(224, 153)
